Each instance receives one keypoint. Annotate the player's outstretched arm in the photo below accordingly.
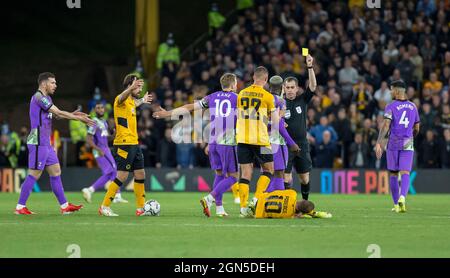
(78, 116)
(183, 110)
(147, 99)
(125, 94)
(381, 141)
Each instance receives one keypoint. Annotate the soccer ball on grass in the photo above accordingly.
(152, 208)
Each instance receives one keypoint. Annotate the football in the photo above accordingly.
(152, 208)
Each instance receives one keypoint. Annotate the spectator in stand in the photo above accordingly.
(428, 151)
(373, 78)
(344, 131)
(417, 61)
(167, 52)
(369, 137)
(359, 153)
(348, 76)
(78, 133)
(433, 84)
(445, 116)
(383, 95)
(445, 149)
(163, 87)
(167, 151)
(22, 161)
(318, 130)
(326, 151)
(362, 97)
(427, 117)
(406, 68)
(215, 19)
(4, 153)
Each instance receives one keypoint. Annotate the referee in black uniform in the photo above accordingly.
(295, 116)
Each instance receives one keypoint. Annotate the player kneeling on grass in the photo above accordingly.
(284, 204)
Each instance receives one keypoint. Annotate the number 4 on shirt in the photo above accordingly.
(404, 120)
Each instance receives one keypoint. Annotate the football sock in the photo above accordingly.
(19, 207)
(262, 184)
(404, 185)
(393, 181)
(217, 180)
(111, 193)
(25, 191)
(139, 192)
(305, 188)
(220, 210)
(244, 189)
(99, 183)
(235, 190)
(58, 190)
(221, 188)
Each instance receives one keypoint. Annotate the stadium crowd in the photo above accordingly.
(358, 52)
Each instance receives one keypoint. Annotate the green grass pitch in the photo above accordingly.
(183, 231)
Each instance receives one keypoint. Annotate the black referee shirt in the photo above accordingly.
(295, 116)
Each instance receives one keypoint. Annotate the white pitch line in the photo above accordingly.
(186, 225)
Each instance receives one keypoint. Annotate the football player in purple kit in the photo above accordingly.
(97, 139)
(401, 125)
(41, 155)
(222, 141)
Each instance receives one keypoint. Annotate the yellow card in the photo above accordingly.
(305, 52)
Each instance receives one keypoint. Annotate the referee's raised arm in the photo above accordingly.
(312, 83)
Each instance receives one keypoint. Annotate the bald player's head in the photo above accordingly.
(276, 85)
(261, 76)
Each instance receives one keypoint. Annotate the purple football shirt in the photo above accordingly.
(403, 116)
(41, 120)
(222, 109)
(100, 133)
(275, 136)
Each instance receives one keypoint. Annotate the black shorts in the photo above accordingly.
(301, 163)
(128, 157)
(250, 153)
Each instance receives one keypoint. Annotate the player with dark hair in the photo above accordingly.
(97, 139)
(222, 139)
(127, 153)
(296, 107)
(401, 124)
(41, 154)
